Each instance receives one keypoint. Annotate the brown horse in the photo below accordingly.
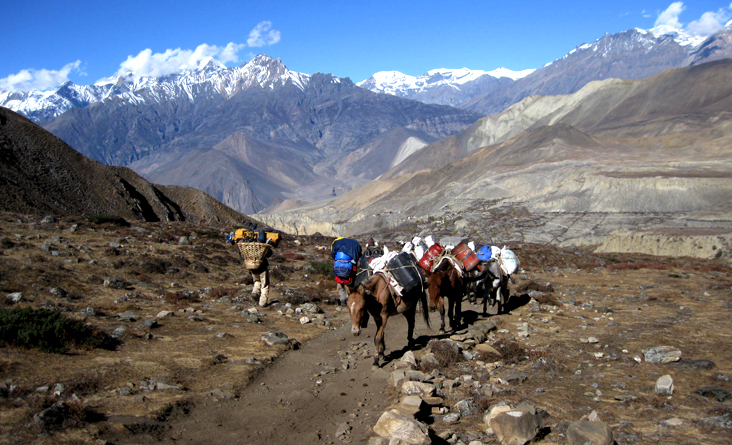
(375, 298)
(446, 281)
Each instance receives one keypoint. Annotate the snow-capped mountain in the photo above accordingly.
(404, 85)
(441, 86)
(250, 135)
(631, 54)
(210, 78)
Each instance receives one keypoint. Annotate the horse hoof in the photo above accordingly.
(441, 331)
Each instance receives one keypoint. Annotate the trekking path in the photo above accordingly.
(306, 395)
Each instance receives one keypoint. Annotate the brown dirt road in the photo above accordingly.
(327, 391)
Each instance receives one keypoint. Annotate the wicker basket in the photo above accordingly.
(253, 254)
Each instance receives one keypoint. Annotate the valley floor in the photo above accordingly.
(573, 340)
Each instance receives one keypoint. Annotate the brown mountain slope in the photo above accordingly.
(610, 163)
(41, 174)
(684, 100)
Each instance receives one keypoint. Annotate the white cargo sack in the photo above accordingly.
(509, 261)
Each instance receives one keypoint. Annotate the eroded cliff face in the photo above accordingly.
(692, 242)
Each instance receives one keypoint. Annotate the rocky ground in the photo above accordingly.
(185, 361)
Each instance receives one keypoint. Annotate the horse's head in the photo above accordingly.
(357, 308)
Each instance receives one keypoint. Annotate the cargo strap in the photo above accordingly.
(447, 257)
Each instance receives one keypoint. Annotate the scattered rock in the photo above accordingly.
(150, 323)
(717, 422)
(128, 315)
(514, 426)
(514, 378)
(418, 388)
(466, 407)
(114, 283)
(451, 418)
(14, 297)
(58, 292)
(714, 392)
(274, 338)
(393, 425)
(665, 385)
(162, 384)
(662, 354)
(411, 405)
(584, 432)
(695, 363)
(52, 416)
(674, 421)
(49, 219)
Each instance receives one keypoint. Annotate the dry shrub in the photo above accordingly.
(526, 286)
(447, 353)
(511, 352)
(182, 297)
(547, 299)
(221, 292)
(640, 265)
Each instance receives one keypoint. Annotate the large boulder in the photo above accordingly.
(396, 426)
(514, 426)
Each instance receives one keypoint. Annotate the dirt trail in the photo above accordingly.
(305, 396)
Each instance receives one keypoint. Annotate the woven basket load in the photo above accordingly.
(253, 254)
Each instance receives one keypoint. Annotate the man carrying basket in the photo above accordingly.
(255, 246)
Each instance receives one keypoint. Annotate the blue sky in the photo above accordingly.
(47, 42)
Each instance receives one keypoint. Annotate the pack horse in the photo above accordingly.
(377, 297)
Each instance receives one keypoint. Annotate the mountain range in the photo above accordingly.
(167, 128)
(258, 135)
(632, 54)
(40, 174)
(621, 163)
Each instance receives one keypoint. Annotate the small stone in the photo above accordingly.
(14, 297)
(674, 421)
(583, 432)
(128, 315)
(418, 388)
(665, 385)
(150, 323)
(451, 419)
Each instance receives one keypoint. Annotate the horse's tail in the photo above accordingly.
(425, 307)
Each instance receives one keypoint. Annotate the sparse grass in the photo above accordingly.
(48, 331)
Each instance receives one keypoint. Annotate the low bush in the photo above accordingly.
(48, 331)
(108, 219)
(322, 267)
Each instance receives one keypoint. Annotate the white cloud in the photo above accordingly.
(263, 35)
(709, 23)
(670, 17)
(147, 63)
(172, 61)
(30, 79)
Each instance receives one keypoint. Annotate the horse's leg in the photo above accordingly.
(451, 310)
(410, 316)
(441, 309)
(458, 310)
(379, 340)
